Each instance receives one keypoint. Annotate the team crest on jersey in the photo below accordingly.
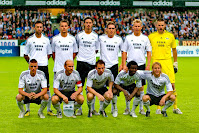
(167, 38)
(82, 38)
(28, 81)
(70, 42)
(34, 42)
(115, 42)
(44, 43)
(104, 41)
(142, 40)
(93, 39)
(131, 40)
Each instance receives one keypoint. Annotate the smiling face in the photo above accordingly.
(156, 69)
(132, 69)
(137, 27)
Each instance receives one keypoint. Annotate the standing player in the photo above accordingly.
(134, 49)
(110, 46)
(96, 86)
(155, 89)
(88, 44)
(64, 88)
(38, 47)
(129, 83)
(32, 81)
(64, 47)
(162, 42)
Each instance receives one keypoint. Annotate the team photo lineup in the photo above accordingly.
(104, 78)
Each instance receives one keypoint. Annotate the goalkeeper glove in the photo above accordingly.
(175, 66)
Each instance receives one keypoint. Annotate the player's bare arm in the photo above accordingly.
(91, 90)
(123, 90)
(133, 93)
(53, 56)
(124, 57)
(57, 92)
(49, 56)
(26, 58)
(23, 93)
(148, 60)
(74, 55)
(165, 98)
(75, 94)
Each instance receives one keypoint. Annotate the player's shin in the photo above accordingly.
(136, 101)
(28, 107)
(49, 101)
(114, 102)
(93, 104)
(89, 104)
(175, 103)
(167, 105)
(43, 105)
(141, 102)
(77, 106)
(146, 105)
(20, 105)
(105, 104)
(57, 107)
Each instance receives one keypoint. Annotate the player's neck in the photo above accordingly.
(64, 34)
(32, 74)
(137, 34)
(88, 31)
(38, 35)
(67, 73)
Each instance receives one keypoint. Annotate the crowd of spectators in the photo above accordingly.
(19, 25)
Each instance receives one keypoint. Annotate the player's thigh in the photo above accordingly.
(90, 96)
(55, 99)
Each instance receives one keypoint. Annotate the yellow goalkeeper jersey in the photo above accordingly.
(162, 44)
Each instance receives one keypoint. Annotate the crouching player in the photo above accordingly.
(32, 81)
(64, 88)
(96, 86)
(129, 83)
(155, 89)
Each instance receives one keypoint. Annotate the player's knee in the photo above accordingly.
(108, 97)
(80, 99)
(90, 96)
(172, 97)
(19, 97)
(145, 98)
(46, 97)
(55, 100)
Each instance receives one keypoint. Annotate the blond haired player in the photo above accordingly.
(162, 42)
(134, 49)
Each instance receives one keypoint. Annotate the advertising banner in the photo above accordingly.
(8, 42)
(8, 51)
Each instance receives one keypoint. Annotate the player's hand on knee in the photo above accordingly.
(35, 96)
(162, 102)
(175, 66)
(65, 99)
(73, 96)
(130, 97)
(100, 97)
(120, 68)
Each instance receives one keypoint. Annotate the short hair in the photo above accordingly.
(64, 20)
(100, 62)
(131, 63)
(66, 62)
(159, 20)
(110, 23)
(88, 18)
(38, 22)
(33, 61)
(137, 21)
(156, 63)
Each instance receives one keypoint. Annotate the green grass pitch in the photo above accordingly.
(187, 88)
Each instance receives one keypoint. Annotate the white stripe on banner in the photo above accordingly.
(142, 3)
(191, 3)
(35, 2)
(89, 3)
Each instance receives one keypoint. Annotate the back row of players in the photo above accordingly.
(64, 48)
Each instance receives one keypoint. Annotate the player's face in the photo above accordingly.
(137, 27)
(33, 68)
(63, 27)
(160, 26)
(88, 24)
(111, 30)
(69, 67)
(38, 28)
(133, 69)
(100, 69)
(156, 70)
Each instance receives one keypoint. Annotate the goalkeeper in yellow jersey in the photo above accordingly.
(162, 42)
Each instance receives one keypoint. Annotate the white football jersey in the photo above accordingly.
(109, 49)
(64, 47)
(97, 81)
(39, 49)
(155, 86)
(125, 79)
(87, 44)
(32, 84)
(62, 82)
(136, 46)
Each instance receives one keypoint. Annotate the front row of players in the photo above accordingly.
(34, 83)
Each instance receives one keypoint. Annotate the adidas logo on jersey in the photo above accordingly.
(59, 42)
(131, 40)
(33, 42)
(104, 41)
